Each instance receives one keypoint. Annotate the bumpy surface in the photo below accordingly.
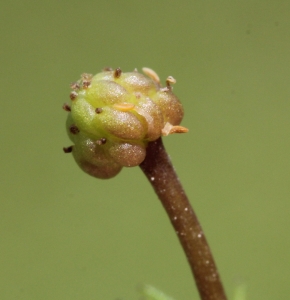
(113, 116)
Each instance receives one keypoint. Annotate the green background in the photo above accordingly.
(65, 235)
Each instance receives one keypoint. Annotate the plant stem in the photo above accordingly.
(158, 169)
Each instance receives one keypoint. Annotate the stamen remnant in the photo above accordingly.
(170, 80)
(124, 106)
(152, 74)
(169, 129)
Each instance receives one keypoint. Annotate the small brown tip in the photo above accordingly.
(101, 141)
(73, 95)
(86, 83)
(106, 69)
(67, 149)
(98, 110)
(117, 73)
(66, 107)
(86, 76)
(74, 129)
(74, 86)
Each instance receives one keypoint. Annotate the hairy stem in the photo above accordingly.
(158, 169)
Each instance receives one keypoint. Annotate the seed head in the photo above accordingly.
(113, 115)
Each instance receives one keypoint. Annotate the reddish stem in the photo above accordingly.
(158, 169)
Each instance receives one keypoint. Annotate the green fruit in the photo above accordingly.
(113, 116)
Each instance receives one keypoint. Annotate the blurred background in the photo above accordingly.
(66, 235)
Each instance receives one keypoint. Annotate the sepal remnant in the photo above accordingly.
(113, 115)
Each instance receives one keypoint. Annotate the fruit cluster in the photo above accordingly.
(113, 116)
